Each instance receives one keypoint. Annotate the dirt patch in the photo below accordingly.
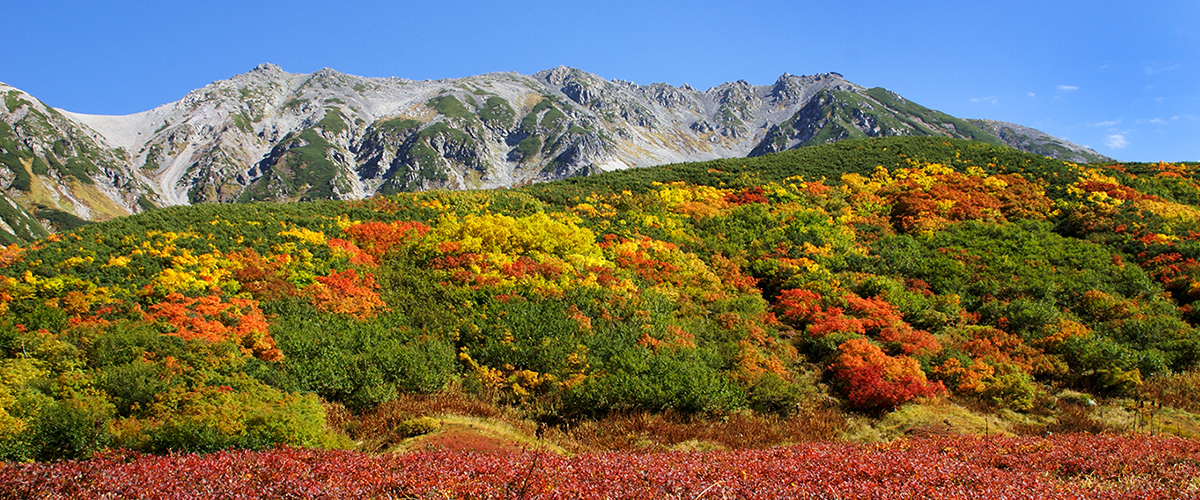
(465, 437)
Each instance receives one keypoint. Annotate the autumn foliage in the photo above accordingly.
(213, 319)
(860, 277)
(346, 292)
(1060, 467)
(875, 381)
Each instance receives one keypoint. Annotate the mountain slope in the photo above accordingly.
(269, 135)
(59, 172)
(864, 276)
(1038, 142)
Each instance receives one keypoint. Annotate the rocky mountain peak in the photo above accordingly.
(272, 135)
(563, 74)
(268, 68)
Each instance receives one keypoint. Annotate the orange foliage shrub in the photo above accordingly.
(731, 274)
(10, 254)
(751, 363)
(347, 249)
(969, 379)
(346, 292)
(925, 203)
(376, 238)
(883, 322)
(213, 319)
(748, 195)
(264, 278)
(798, 307)
(1001, 347)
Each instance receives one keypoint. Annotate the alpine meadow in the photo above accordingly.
(916, 315)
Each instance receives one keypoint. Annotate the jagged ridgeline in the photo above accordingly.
(873, 271)
(269, 135)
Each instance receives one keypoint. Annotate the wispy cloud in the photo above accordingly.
(1116, 141)
(1153, 67)
(1067, 88)
(1031, 94)
(1108, 123)
(989, 99)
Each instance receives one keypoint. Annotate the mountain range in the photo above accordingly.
(270, 135)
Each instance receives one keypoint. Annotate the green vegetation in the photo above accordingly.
(302, 168)
(334, 121)
(294, 103)
(497, 112)
(145, 204)
(243, 123)
(13, 100)
(22, 226)
(529, 147)
(152, 156)
(402, 126)
(11, 154)
(450, 107)
(529, 123)
(59, 220)
(962, 128)
(874, 279)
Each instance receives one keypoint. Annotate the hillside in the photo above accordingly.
(864, 278)
(270, 135)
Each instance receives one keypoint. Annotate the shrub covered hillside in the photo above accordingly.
(873, 271)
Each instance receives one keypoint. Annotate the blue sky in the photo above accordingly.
(1123, 79)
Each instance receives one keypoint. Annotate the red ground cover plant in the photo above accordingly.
(1067, 466)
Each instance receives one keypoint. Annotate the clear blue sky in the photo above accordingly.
(1121, 77)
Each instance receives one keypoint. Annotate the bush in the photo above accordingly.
(216, 418)
(1012, 388)
(639, 379)
(359, 363)
(1178, 390)
(873, 381)
(418, 426)
(774, 394)
(71, 428)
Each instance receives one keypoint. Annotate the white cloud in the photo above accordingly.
(1031, 94)
(1158, 120)
(1153, 67)
(1104, 124)
(1116, 141)
(1067, 88)
(989, 99)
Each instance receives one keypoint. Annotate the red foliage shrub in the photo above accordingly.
(874, 381)
(873, 317)
(956, 196)
(748, 195)
(798, 307)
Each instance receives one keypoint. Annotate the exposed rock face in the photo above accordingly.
(1038, 142)
(269, 135)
